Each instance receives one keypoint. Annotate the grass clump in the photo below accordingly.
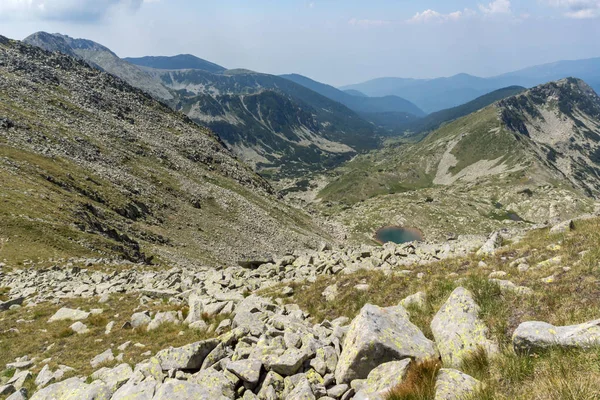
(419, 383)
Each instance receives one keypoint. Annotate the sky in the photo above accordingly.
(334, 41)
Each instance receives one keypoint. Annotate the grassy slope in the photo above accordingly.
(572, 298)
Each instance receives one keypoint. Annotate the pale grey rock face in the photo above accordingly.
(563, 227)
(45, 377)
(454, 385)
(247, 370)
(418, 300)
(382, 379)
(379, 335)
(140, 391)
(20, 394)
(458, 330)
(302, 391)
(508, 286)
(491, 245)
(534, 336)
(183, 390)
(100, 359)
(186, 357)
(80, 328)
(140, 319)
(169, 317)
(74, 388)
(69, 314)
(216, 382)
(114, 377)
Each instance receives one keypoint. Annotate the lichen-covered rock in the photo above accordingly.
(162, 318)
(534, 336)
(455, 385)
(382, 379)
(215, 382)
(140, 391)
(246, 370)
(114, 377)
(418, 300)
(458, 330)
(186, 357)
(102, 358)
(490, 246)
(563, 227)
(302, 391)
(74, 388)
(379, 335)
(183, 390)
(140, 319)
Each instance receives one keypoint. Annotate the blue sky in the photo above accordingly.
(334, 41)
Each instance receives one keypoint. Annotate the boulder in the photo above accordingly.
(114, 377)
(246, 370)
(103, 358)
(302, 391)
(188, 357)
(216, 382)
(382, 379)
(140, 391)
(377, 336)
(418, 300)
(68, 314)
(490, 246)
(563, 227)
(455, 385)
(458, 330)
(20, 394)
(169, 317)
(74, 388)
(80, 328)
(182, 390)
(534, 336)
(140, 319)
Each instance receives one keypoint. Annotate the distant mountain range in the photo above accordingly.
(436, 94)
(182, 61)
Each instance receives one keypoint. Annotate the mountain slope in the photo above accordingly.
(332, 134)
(91, 166)
(536, 155)
(99, 57)
(182, 61)
(360, 104)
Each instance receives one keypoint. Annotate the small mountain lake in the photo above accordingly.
(398, 235)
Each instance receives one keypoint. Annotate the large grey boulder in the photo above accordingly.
(563, 227)
(140, 319)
(455, 385)
(114, 377)
(102, 358)
(68, 314)
(379, 335)
(251, 313)
(183, 390)
(382, 379)
(302, 391)
(74, 388)
(216, 382)
(246, 370)
(140, 391)
(187, 357)
(169, 317)
(196, 308)
(534, 336)
(458, 330)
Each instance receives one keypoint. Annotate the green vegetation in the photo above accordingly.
(571, 299)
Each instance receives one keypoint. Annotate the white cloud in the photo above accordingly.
(578, 9)
(496, 7)
(87, 10)
(434, 16)
(368, 22)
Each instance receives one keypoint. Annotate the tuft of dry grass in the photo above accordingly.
(419, 383)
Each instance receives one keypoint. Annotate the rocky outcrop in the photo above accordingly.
(458, 330)
(535, 336)
(377, 336)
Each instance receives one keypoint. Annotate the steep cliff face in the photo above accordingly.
(90, 165)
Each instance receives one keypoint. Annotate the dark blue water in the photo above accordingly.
(398, 235)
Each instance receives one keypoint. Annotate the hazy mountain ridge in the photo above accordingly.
(436, 94)
(92, 166)
(181, 61)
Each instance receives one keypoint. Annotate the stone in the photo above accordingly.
(45, 377)
(74, 388)
(196, 308)
(114, 377)
(455, 385)
(136, 391)
(80, 328)
(302, 391)
(103, 358)
(418, 300)
(109, 327)
(534, 336)
(490, 246)
(508, 286)
(382, 379)
(20, 394)
(190, 356)
(20, 378)
(5, 390)
(563, 227)
(183, 390)
(140, 319)
(215, 382)
(458, 330)
(330, 292)
(379, 335)
(199, 326)
(289, 362)
(246, 370)
(68, 314)
(161, 318)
